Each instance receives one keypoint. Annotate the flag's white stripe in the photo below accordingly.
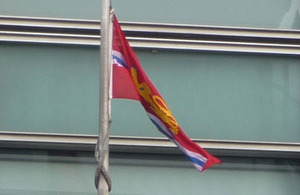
(118, 59)
(199, 163)
(118, 62)
(200, 168)
(190, 153)
(118, 54)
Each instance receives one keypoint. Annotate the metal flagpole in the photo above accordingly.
(102, 180)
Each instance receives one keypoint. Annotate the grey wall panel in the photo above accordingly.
(146, 175)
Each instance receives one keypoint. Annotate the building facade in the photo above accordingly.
(229, 71)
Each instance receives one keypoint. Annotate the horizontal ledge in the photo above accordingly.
(35, 22)
(152, 35)
(49, 38)
(146, 145)
(154, 43)
(215, 46)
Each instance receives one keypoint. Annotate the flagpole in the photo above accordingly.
(102, 179)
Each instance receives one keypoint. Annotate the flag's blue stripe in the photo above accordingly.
(196, 161)
(160, 129)
(120, 61)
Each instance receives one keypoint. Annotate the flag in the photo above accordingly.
(131, 82)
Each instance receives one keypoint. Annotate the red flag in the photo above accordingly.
(131, 82)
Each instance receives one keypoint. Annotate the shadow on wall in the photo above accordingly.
(291, 19)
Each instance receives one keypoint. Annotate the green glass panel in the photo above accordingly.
(49, 89)
(146, 175)
(256, 13)
(213, 96)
